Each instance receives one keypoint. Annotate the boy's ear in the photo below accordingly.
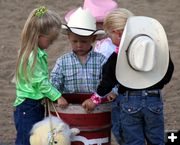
(94, 38)
(68, 36)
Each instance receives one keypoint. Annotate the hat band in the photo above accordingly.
(82, 28)
(127, 50)
(94, 31)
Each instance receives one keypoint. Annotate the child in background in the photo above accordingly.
(79, 71)
(104, 45)
(32, 79)
(140, 103)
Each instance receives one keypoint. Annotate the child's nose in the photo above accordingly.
(79, 44)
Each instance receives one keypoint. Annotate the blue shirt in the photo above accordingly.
(69, 75)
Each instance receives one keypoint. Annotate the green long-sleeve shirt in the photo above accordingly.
(38, 85)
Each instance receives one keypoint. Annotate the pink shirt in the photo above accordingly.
(105, 47)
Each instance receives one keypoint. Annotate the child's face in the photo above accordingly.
(46, 40)
(81, 45)
(115, 36)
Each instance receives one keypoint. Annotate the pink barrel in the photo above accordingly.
(95, 127)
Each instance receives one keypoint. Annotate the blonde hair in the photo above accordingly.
(34, 26)
(116, 19)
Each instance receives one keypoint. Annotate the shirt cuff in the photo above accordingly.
(54, 94)
(96, 99)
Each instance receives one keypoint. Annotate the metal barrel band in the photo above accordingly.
(94, 129)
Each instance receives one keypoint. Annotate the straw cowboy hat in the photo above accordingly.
(143, 55)
(98, 8)
(81, 22)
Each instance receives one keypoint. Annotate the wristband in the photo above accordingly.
(96, 99)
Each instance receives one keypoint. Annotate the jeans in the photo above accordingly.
(25, 116)
(116, 120)
(142, 119)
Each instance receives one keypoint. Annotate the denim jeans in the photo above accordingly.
(116, 119)
(25, 116)
(142, 119)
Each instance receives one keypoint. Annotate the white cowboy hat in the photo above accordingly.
(98, 8)
(143, 55)
(81, 22)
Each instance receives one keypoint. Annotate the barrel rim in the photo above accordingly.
(78, 109)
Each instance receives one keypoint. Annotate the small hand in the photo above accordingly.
(88, 105)
(111, 96)
(62, 102)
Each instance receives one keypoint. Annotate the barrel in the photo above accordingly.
(95, 127)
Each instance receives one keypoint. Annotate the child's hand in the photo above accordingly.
(88, 105)
(111, 96)
(62, 102)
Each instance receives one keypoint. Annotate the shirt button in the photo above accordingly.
(129, 110)
(145, 93)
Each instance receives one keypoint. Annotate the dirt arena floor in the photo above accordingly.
(13, 14)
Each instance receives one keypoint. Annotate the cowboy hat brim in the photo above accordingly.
(125, 74)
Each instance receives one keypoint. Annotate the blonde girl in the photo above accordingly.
(32, 82)
(114, 24)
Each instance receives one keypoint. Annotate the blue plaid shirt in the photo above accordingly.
(69, 75)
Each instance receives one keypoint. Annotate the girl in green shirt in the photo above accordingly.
(32, 78)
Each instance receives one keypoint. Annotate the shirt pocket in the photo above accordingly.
(94, 74)
(69, 76)
(156, 107)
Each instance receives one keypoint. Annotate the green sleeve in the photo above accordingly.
(46, 88)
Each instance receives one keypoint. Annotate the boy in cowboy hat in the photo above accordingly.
(104, 45)
(99, 9)
(141, 66)
(79, 71)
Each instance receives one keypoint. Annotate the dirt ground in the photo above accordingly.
(13, 14)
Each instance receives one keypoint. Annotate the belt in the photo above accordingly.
(143, 93)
